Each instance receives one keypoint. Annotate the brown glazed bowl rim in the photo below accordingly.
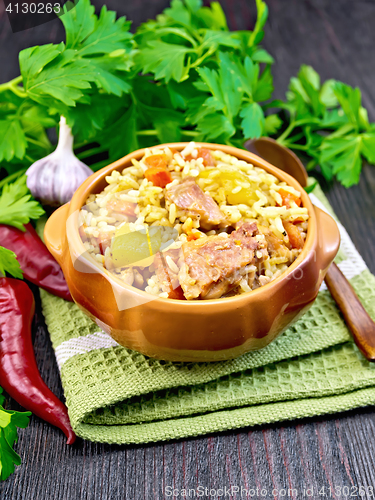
(89, 185)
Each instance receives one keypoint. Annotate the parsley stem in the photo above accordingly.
(146, 132)
(199, 61)
(7, 85)
(81, 144)
(12, 85)
(286, 132)
(296, 137)
(38, 143)
(293, 124)
(18, 91)
(291, 145)
(180, 33)
(91, 152)
(12, 177)
(190, 133)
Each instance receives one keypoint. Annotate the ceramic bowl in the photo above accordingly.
(202, 330)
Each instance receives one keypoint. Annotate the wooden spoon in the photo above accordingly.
(358, 320)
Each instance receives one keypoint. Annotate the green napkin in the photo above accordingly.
(115, 395)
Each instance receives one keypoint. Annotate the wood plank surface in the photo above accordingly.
(329, 457)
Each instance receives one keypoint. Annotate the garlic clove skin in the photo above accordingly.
(55, 178)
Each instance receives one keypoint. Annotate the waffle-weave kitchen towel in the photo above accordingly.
(115, 395)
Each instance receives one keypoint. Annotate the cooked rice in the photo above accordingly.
(98, 223)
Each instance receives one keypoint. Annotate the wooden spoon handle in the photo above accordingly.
(356, 317)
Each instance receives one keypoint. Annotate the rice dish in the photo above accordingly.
(194, 225)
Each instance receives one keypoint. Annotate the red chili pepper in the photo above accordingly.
(37, 264)
(19, 373)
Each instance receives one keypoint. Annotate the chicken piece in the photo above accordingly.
(215, 265)
(275, 246)
(122, 207)
(166, 276)
(187, 195)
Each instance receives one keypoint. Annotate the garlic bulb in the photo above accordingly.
(54, 179)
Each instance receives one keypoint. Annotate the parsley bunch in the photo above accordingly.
(65, 79)
(9, 421)
(328, 124)
(16, 205)
(16, 209)
(181, 76)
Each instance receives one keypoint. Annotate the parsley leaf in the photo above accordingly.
(107, 76)
(89, 119)
(252, 120)
(16, 206)
(9, 263)
(213, 17)
(79, 22)
(264, 86)
(12, 139)
(223, 85)
(368, 146)
(179, 13)
(343, 154)
(165, 60)
(272, 123)
(214, 39)
(233, 87)
(257, 34)
(9, 421)
(330, 126)
(350, 101)
(215, 126)
(97, 51)
(120, 137)
(107, 34)
(34, 59)
(63, 80)
(262, 56)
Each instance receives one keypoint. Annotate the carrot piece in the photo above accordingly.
(208, 160)
(160, 161)
(122, 206)
(177, 293)
(104, 241)
(204, 153)
(295, 238)
(159, 176)
(193, 236)
(288, 197)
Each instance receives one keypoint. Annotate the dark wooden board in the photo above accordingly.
(338, 39)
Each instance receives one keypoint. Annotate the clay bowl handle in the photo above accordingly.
(54, 232)
(356, 317)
